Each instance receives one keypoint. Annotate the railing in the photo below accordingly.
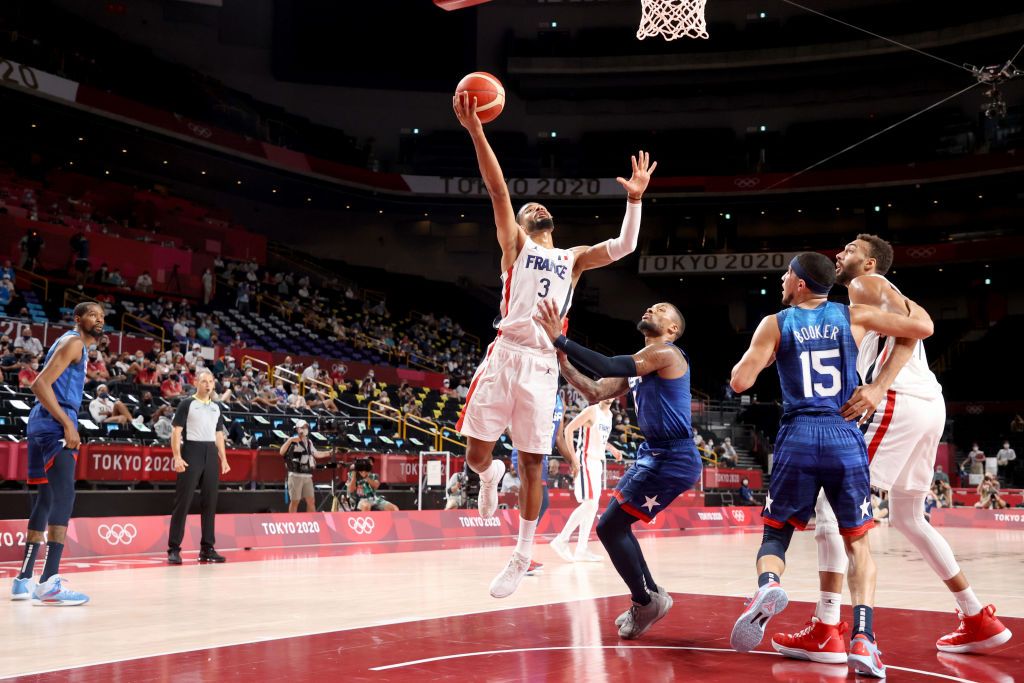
(130, 321)
(34, 280)
(286, 375)
(73, 297)
(267, 368)
(274, 303)
(413, 422)
(384, 412)
(327, 389)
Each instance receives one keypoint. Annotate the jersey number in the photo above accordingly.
(547, 286)
(809, 359)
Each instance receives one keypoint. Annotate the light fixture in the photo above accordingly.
(124, 151)
(763, 15)
(380, 211)
(425, 214)
(981, 196)
(877, 208)
(238, 182)
(165, 162)
(106, 173)
(988, 281)
(935, 201)
(462, 215)
(309, 199)
(81, 139)
(554, 133)
(763, 291)
(764, 128)
(33, 125)
(554, 24)
(274, 191)
(940, 270)
(348, 206)
(202, 173)
(799, 210)
(415, 131)
(728, 216)
(762, 212)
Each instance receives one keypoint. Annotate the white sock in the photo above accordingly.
(967, 601)
(586, 524)
(488, 475)
(827, 610)
(525, 544)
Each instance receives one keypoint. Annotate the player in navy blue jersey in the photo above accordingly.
(814, 344)
(667, 463)
(52, 451)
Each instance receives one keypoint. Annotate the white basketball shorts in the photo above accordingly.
(588, 482)
(514, 388)
(902, 440)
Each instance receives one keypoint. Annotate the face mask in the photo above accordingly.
(103, 394)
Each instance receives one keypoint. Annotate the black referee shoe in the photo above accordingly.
(211, 555)
(173, 557)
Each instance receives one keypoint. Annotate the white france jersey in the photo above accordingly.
(538, 274)
(594, 439)
(915, 379)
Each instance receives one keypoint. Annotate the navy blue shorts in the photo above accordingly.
(658, 477)
(814, 452)
(45, 441)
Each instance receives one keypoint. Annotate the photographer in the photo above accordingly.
(299, 457)
(461, 487)
(362, 485)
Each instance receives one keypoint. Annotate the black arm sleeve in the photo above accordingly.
(181, 414)
(599, 364)
(220, 422)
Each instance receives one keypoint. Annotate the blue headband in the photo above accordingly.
(812, 284)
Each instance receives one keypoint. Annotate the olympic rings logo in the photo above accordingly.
(361, 525)
(746, 183)
(117, 534)
(200, 131)
(739, 515)
(921, 252)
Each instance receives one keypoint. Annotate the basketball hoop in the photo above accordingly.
(672, 19)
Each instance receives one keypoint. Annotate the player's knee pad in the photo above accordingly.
(831, 549)
(62, 485)
(775, 541)
(41, 505)
(906, 514)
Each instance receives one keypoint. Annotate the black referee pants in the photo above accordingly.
(204, 471)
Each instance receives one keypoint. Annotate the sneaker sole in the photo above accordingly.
(821, 657)
(58, 603)
(864, 667)
(987, 644)
(20, 598)
(748, 631)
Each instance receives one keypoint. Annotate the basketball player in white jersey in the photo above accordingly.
(595, 426)
(902, 407)
(516, 383)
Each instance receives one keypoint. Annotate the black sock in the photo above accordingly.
(31, 553)
(767, 577)
(648, 578)
(614, 531)
(863, 616)
(52, 564)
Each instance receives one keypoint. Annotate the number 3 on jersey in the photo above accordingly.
(547, 286)
(813, 359)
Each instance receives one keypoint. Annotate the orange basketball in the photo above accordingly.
(488, 91)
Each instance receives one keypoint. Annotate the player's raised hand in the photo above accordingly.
(862, 403)
(549, 320)
(465, 111)
(642, 170)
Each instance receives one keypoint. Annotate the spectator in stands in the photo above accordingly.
(943, 493)
(6, 291)
(194, 354)
(976, 460)
(368, 385)
(245, 393)
(171, 387)
(102, 274)
(107, 410)
(180, 328)
(1017, 424)
(316, 398)
(115, 278)
(337, 377)
(727, 454)
(267, 397)
(988, 494)
(940, 475)
(163, 426)
(29, 372)
(96, 370)
(209, 281)
(746, 495)
(226, 394)
(27, 343)
(295, 399)
(144, 283)
(311, 372)
(31, 246)
(7, 271)
(242, 299)
(148, 377)
(80, 255)
(1005, 455)
(10, 363)
(280, 391)
(462, 389)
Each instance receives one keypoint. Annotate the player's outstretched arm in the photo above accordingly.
(510, 236)
(588, 258)
(758, 357)
(917, 325)
(592, 390)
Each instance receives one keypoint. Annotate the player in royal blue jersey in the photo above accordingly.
(667, 463)
(814, 344)
(52, 450)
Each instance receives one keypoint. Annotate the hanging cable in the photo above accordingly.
(873, 136)
(880, 37)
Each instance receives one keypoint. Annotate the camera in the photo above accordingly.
(362, 465)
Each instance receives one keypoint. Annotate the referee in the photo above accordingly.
(197, 447)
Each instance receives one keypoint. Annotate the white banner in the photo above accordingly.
(17, 75)
(716, 263)
(532, 188)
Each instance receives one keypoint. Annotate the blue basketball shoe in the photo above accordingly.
(53, 594)
(22, 589)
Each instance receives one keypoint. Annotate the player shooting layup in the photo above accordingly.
(516, 383)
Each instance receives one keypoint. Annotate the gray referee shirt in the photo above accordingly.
(200, 420)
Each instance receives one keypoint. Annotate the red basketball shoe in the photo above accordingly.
(975, 634)
(819, 642)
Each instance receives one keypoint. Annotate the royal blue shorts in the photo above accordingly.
(814, 452)
(45, 441)
(657, 478)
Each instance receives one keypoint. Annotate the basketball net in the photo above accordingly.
(672, 19)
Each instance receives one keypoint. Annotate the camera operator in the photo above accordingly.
(299, 457)
(362, 484)
(460, 487)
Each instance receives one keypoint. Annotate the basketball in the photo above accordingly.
(488, 91)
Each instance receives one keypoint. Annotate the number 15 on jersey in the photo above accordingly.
(813, 361)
